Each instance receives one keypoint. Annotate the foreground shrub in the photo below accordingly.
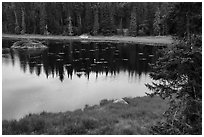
(90, 123)
(179, 77)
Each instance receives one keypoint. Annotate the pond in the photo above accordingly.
(70, 74)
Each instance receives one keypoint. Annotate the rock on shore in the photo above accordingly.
(28, 44)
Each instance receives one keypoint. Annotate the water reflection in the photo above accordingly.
(69, 75)
(75, 58)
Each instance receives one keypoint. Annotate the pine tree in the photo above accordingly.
(177, 77)
(112, 12)
(70, 27)
(164, 10)
(8, 20)
(23, 22)
(17, 26)
(185, 18)
(43, 18)
(120, 15)
(96, 23)
(88, 18)
(103, 19)
(78, 8)
(106, 23)
(133, 22)
(121, 24)
(157, 23)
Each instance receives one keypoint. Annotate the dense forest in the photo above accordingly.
(110, 18)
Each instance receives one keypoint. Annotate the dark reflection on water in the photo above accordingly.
(69, 61)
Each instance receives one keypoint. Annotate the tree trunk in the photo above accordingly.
(188, 26)
(15, 14)
(70, 28)
(79, 20)
(96, 23)
(121, 24)
(17, 27)
(16, 19)
(23, 22)
(79, 24)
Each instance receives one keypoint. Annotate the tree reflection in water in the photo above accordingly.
(65, 59)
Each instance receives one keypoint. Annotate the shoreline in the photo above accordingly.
(148, 40)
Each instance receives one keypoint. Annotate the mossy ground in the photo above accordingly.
(107, 118)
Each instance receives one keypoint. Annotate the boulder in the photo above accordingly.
(122, 101)
(84, 36)
(28, 44)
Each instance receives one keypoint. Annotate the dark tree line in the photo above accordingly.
(69, 18)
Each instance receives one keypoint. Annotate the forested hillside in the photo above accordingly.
(134, 19)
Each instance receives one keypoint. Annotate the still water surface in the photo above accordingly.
(68, 75)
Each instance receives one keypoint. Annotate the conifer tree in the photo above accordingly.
(43, 18)
(88, 18)
(157, 23)
(70, 27)
(133, 22)
(78, 8)
(23, 22)
(177, 76)
(96, 23)
(17, 26)
(105, 24)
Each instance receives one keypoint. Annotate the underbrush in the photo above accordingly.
(107, 118)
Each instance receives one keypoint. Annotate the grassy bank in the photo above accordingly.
(107, 118)
(152, 40)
